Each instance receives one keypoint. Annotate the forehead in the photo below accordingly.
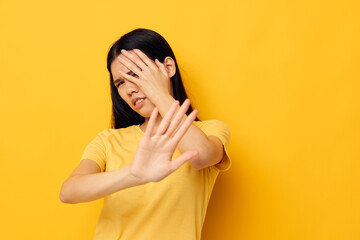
(117, 66)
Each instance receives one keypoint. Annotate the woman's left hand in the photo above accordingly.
(152, 77)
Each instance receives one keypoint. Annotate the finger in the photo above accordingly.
(127, 76)
(167, 118)
(151, 124)
(178, 117)
(161, 67)
(150, 63)
(134, 58)
(130, 64)
(183, 158)
(184, 127)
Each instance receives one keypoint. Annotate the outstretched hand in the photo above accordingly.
(152, 161)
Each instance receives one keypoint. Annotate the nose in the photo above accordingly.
(131, 87)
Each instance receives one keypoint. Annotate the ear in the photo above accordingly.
(169, 65)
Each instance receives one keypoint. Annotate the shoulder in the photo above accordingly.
(215, 128)
(110, 133)
(106, 133)
(220, 130)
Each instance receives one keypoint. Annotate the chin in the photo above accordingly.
(144, 113)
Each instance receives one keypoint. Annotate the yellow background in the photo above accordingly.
(284, 76)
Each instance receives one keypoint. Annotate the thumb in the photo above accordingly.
(186, 156)
(161, 67)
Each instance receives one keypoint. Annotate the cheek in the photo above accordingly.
(121, 92)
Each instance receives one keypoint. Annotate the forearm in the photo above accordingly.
(89, 187)
(194, 139)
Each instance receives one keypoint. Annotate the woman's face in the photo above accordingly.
(129, 91)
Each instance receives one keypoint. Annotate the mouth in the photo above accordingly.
(138, 101)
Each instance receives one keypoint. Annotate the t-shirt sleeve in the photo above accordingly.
(221, 130)
(96, 151)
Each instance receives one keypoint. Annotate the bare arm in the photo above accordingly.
(152, 162)
(86, 183)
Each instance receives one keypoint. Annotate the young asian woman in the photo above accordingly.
(157, 165)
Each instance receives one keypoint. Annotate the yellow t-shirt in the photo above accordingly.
(171, 209)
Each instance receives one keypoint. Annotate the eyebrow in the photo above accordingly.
(119, 79)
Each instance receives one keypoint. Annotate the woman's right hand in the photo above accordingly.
(152, 161)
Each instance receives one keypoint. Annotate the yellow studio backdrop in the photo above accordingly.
(284, 76)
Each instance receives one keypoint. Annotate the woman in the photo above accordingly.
(157, 165)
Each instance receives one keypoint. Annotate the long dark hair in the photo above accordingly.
(155, 47)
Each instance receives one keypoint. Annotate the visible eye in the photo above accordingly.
(120, 83)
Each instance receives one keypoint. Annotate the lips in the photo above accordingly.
(137, 100)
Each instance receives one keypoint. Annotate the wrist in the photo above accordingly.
(133, 177)
(159, 99)
(163, 103)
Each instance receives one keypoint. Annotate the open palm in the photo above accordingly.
(152, 161)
